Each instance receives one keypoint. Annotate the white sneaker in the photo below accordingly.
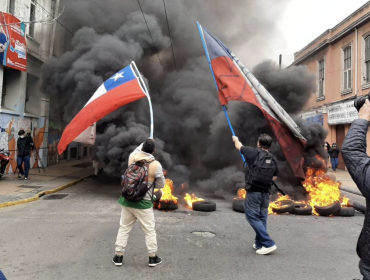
(265, 251)
(254, 247)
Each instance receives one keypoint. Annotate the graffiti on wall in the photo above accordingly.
(9, 128)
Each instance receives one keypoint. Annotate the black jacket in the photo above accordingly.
(358, 162)
(24, 146)
(334, 153)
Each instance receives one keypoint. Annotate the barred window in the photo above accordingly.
(367, 58)
(347, 68)
(321, 78)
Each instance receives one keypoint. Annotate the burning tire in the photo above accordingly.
(283, 206)
(238, 205)
(167, 205)
(205, 206)
(301, 209)
(328, 210)
(345, 212)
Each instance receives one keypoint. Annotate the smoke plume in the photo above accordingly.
(192, 137)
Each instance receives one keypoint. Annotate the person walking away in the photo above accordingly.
(327, 149)
(334, 153)
(358, 165)
(260, 173)
(24, 146)
(96, 164)
(141, 210)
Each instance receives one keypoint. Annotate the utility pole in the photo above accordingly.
(280, 57)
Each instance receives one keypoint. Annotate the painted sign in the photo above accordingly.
(312, 117)
(13, 46)
(341, 113)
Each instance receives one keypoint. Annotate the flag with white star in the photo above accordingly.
(124, 87)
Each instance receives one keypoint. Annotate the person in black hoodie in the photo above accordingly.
(334, 153)
(24, 146)
(358, 165)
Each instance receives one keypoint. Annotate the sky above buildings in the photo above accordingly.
(303, 21)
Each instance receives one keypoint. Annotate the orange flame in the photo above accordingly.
(191, 198)
(242, 193)
(276, 204)
(345, 201)
(167, 192)
(322, 189)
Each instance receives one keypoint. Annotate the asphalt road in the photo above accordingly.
(73, 238)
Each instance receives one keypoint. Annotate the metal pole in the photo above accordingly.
(214, 80)
(149, 100)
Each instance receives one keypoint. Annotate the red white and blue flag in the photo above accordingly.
(124, 87)
(235, 82)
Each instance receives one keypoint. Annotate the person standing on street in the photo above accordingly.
(261, 172)
(138, 205)
(334, 154)
(358, 165)
(24, 146)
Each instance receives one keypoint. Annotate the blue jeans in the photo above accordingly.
(26, 161)
(256, 211)
(334, 163)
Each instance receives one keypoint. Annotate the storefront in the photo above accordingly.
(340, 117)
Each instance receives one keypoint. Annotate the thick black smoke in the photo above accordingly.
(192, 136)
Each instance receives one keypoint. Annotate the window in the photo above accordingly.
(367, 59)
(347, 68)
(321, 78)
(31, 28)
(11, 7)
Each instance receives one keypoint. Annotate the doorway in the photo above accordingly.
(340, 134)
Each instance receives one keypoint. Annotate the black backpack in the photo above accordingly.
(262, 171)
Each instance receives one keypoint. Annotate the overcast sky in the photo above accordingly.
(303, 21)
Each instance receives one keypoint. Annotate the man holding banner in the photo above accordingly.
(234, 81)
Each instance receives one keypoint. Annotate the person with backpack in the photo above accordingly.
(143, 174)
(261, 171)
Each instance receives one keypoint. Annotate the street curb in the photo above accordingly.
(40, 194)
(349, 190)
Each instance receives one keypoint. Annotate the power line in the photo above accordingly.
(169, 33)
(150, 34)
(56, 19)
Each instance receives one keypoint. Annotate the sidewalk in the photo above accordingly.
(55, 178)
(346, 180)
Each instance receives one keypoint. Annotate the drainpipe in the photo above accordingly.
(356, 55)
(54, 27)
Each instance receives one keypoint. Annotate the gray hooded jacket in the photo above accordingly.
(159, 181)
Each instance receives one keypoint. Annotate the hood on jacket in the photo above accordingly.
(140, 155)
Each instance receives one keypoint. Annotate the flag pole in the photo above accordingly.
(149, 100)
(214, 80)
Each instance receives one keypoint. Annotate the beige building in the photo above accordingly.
(340, 58)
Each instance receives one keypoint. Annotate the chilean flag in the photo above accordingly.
(124, 87)
(236, 82)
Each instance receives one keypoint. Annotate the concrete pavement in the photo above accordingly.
(55, 178)
(348, 184)
(73, 238)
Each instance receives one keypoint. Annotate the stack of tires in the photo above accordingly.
(303, 209)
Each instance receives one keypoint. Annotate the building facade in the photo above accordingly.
(340, 58)
(29, 36)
